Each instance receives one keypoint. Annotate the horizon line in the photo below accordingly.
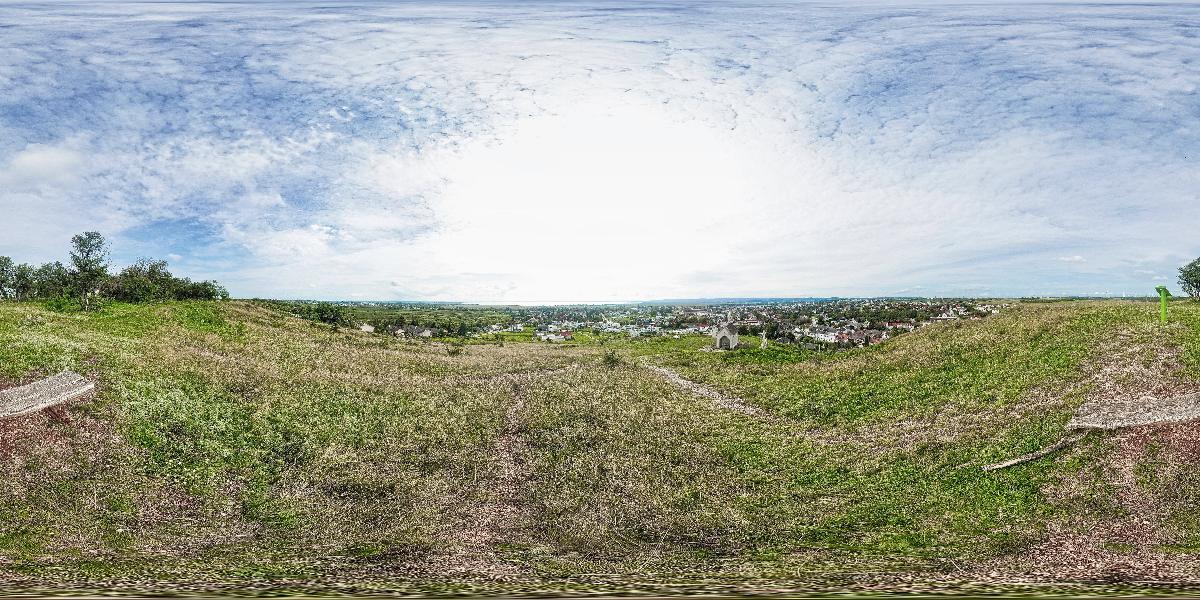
(708, 301)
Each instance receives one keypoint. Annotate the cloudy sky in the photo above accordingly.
(588, 151)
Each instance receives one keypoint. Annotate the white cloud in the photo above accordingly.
(571, 152)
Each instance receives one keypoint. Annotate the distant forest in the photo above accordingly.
(85, 282)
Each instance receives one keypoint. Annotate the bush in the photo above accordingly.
(63, 304)
(150, 281)
(611, 359)
(332, 314)
(321, 312)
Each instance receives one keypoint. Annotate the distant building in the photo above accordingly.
(725, 337)
(824, 334)
(413, 331)
(747, 323)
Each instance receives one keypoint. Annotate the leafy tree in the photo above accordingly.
(7, 272)
(144, 281)
(1189, 278)
(330, 313)
(186, 289)
(147, 280)
(23, 282)
(773, 330)
(89, 264)
(51, 280)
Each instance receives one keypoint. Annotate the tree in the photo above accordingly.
(23, 282)
(145, 281)
(51, 280)
(1189, 278)
(89, 264)
(7, 272)
(186, 289)
(773, 330)
(332, 314)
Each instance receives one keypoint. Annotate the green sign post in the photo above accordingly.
(1163, 294)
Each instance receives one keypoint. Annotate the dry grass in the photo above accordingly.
(229, 445)
(1128, 534)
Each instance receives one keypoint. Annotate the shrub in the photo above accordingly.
(321, 312)
(63, 304)
(326, 312)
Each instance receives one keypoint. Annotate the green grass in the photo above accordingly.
(228, 444)
(225, 421)
(693, 479)
(962, 366)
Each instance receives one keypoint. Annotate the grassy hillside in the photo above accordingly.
(229, 445)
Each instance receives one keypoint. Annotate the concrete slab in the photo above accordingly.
(43, 394)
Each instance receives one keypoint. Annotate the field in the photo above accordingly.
(231, 447)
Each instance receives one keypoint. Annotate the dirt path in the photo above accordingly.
(721, 400)
(473, 545)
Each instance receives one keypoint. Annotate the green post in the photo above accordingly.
(1163, 294)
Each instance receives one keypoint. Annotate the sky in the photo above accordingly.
(542, 151)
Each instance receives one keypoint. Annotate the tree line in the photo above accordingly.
(85, 281)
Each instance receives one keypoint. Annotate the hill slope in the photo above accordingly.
(229, 445)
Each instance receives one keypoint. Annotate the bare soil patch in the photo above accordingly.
(1135, 391)
(1138, 384)
(1125, 543)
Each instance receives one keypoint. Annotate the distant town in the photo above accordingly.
(814, 324)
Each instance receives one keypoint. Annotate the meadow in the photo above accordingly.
(230, 446)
